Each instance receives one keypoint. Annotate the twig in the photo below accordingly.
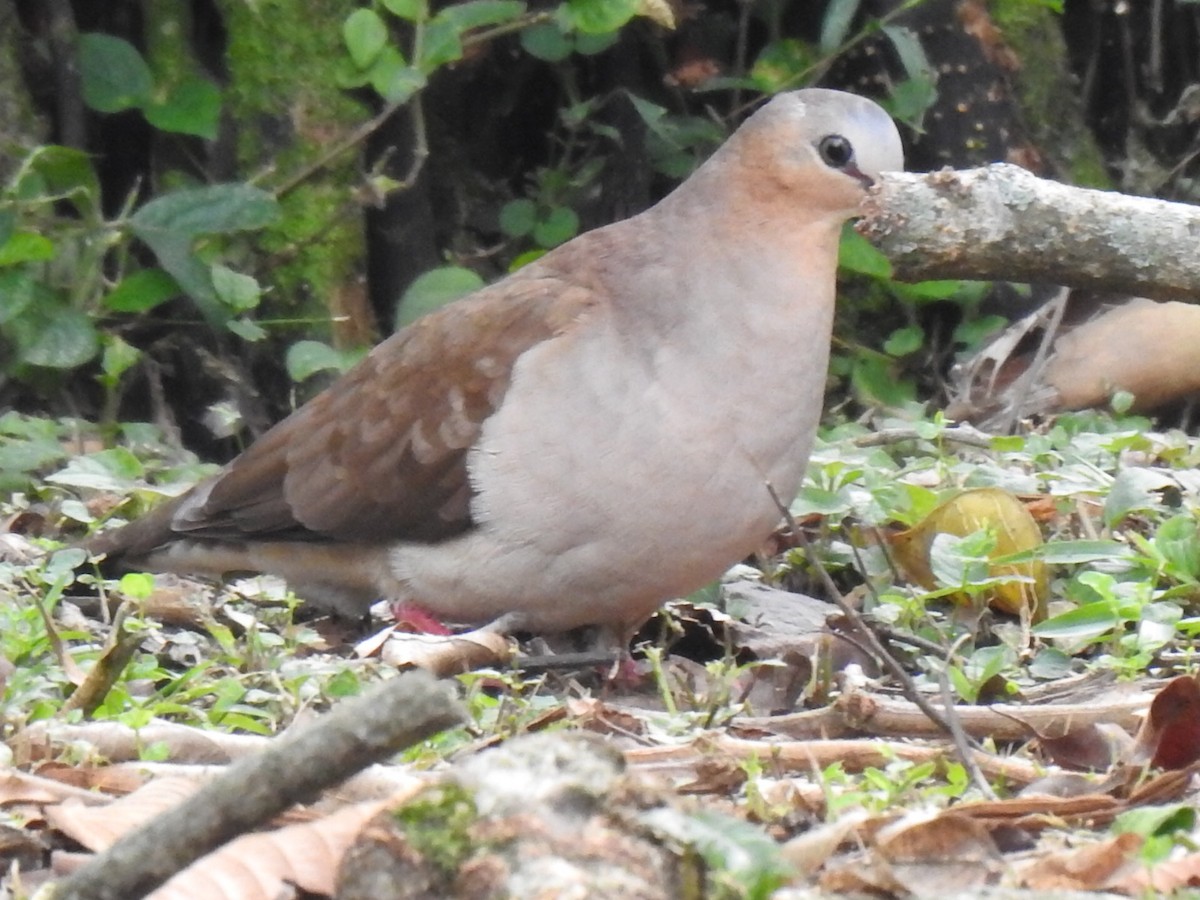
(396, 714)
(963, 434)
(877, 649)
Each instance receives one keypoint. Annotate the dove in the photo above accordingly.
(609, 427)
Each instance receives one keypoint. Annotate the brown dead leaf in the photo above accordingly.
(1163, 879)
(808, 852)
(98, 827)
(1089, 868)
(604, 718)
(946, 853)
(1093, 747)
(447, 654)
(1170, 734)
(259, 866)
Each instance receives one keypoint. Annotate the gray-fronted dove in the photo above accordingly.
(577, 443)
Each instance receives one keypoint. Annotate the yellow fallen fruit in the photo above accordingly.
(1015, 530)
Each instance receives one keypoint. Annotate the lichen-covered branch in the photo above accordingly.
(1003, 223)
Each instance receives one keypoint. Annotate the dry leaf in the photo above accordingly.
(1015, 531)
(1089, 868)
(1170, 734)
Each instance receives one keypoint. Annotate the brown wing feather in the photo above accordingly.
(381, 454)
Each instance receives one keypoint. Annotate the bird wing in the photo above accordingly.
(381, 455)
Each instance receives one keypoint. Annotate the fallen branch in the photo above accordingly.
(396, 714)
(1002, 223)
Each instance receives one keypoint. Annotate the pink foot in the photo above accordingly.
(416, 619)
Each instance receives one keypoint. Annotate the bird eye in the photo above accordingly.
(835, 150)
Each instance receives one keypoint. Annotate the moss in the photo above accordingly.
(283, 95)
(1054, 116)
(437, 824)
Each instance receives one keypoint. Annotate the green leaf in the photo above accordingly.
(141, 291)
(434, 289)
(117, 358)
(213, 209)
(904, 341)
(857, 254)
(173, 251)
(366, 35)
(192, 107)
(780, 63)
(835, 26)
(559, 225)
(517, 217)
(237, 291)
(8, 224)
(169, 224)
(1135, 489)
(17, 291)
(1178, 540)
(480, 13)
(1092, 620)
(56, 338)
(1073, 553)
(25, 246)
(67, 172)
(112, 73)
(246, 329)
(911, 51)
(591, 44)
(412, 10)
(306, 358)
(442, 44)
(600, 16)
(546, 41)
(393, 79)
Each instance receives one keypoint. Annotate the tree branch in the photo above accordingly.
(1001, 222)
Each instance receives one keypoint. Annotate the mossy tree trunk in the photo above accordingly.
(287, 111)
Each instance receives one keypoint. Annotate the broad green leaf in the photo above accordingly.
(442, 44)
(57, 338)
(117, 358)
(1086, 622)
(857, 254)
(213, 209)
(306, 358)
(434, 289)
(1178, 540)
(25, 246)
(1135, 489)
(558, 226)
(412, 10)
(780, 64)
(173, 250)
(904, 341)
(246, 329)
(67, 172)
(924, 291)
(911, 51)
(600, 16)
(393, 79)
(591, 44)
(365, 35)
(141, 291)
(480, 13)
(192, 107)
(17, 291)
(546, 41)
(112, 73)
(835, 26)
(237, 291)
(517, 217)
